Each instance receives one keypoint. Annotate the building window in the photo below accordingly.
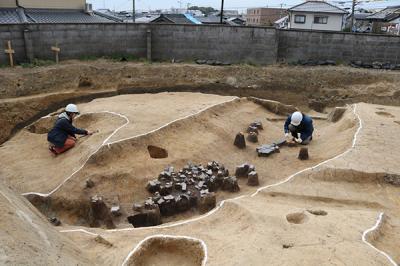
(320, 20)
(300, 19)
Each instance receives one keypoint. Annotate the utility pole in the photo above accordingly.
(222, 11)
(133, 11)
(352, 15)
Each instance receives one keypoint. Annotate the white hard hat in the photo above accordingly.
(72, 108)
(296, 118)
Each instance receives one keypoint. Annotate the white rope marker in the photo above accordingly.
(222, 202)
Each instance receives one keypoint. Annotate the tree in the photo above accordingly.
(205, 10)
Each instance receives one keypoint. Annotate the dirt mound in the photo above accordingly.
(27, 238)
(164, 250)
(117, 171)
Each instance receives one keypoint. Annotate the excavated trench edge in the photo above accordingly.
(363, 238)
(138, 246)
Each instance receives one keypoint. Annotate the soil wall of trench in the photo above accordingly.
(28, 94)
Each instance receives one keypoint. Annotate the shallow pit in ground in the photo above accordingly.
(169, 251)
(121, 171)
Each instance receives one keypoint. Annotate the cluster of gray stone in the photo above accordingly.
(176, 192)
(212, 62)
(375, 65)
(312, 62)
(252, 131)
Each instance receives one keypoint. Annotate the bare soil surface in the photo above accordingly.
(303, 215)
(26, 94)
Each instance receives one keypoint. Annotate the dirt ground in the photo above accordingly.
(26, 94)
(314, 212)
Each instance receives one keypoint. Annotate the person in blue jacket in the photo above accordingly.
(62, 136)
(300, 126)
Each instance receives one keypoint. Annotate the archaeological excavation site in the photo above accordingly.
(189, 165)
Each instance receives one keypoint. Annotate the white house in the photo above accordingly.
(316, 15)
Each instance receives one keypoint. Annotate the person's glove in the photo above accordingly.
(299, 140)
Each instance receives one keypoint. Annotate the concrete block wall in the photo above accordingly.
(230, 44)
(80, 40)
(344, 47)
(14, 33)
(259, 45)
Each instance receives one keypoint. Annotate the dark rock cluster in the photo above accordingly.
(99, 214)
(312, 62)
(268, 149)
(175, 192)
(212, 62)
(247, 171)
(252, 131)
(375, 65)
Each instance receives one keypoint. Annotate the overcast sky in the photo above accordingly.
(229, 4)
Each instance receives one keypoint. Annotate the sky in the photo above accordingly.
(142, 5)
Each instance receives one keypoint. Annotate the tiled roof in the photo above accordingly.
(20, 15)
(209, 19)
(386, 14)
(9, 16)
(173, 18)
(63, 16)
(317, 6)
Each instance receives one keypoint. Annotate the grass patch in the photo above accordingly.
(37, 63)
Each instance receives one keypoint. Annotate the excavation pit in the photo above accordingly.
(169, 250)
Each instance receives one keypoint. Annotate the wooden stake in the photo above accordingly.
(10, 53)
(56, 50)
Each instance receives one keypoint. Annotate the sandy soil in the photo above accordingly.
(280, 225)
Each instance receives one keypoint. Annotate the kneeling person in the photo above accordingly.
(62, 136)
(300, 126)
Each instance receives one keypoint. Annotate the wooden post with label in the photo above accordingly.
(10, 53)
(56, 50)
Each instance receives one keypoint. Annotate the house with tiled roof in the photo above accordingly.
(386, 20)
(176, 19)
(50, 11)
(316, 15)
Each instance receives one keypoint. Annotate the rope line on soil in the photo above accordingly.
(90, 156)
(259, 190)
(377, 225)
(138, 246)
(105, 142)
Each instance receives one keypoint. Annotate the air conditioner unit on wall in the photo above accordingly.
(88, 8)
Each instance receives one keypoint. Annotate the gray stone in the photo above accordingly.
(148, 217)
(207, 202)
(267, 150)
(99, 213)
(116, 210)
(230, 184)
(153, 186)
(252, 137)
(182, 203)
(166, 189)
(240, 142)
(252, 129)
(89, 183)
(303, 154)
(257, 124)
(252, 180)
(242, 170)
(55, 221)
